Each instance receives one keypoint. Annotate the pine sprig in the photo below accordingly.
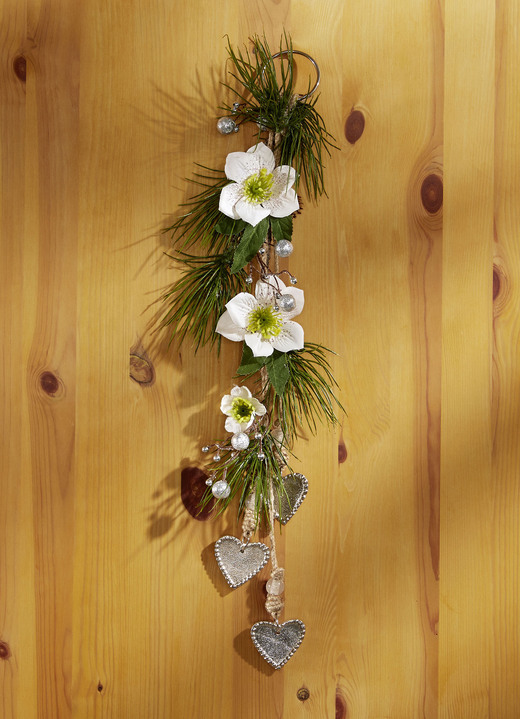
(246, 473)
(309, 393)
(198, 298)
(268, 99)
(198, 223)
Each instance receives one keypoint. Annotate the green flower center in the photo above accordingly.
(241, 410)
(258, 188)
(265, 321)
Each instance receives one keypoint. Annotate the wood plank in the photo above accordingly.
(505, 689)
(466, 489)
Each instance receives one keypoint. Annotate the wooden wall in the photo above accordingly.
(403, 561)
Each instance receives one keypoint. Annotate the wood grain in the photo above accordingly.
(403, 560)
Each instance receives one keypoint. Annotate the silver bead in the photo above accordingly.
(239, 441)
(261, 251)
(283, 248)
(260, 456)
(209, 481)
(216, 457)
(226, 125)
(258, 435)
(221, 489)
(249, 280)
(294, 281)
(287, 303)
(205, 448)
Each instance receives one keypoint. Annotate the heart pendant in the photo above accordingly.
(278, 642)
(292, 493)
(239, 562)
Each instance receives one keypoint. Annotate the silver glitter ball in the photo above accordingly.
(240, 440)
(287, 303)
(221, 489)
(283, 248)
(226, 125)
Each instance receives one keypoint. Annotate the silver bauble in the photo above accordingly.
(287, 303)
(226, 125)
(221, 489)
(283, 248)
(240, 440)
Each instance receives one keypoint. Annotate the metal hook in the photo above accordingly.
(311, 59)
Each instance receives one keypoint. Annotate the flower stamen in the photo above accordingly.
(258, 187)
(241, 410)
(266, 321)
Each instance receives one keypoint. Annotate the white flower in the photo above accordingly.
(241, 408)
(258, 188)
(255, 320)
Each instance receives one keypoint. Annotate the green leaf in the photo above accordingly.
(282, 227)
(250, 364)
(228, 226)
(278, 371)
(252, 240)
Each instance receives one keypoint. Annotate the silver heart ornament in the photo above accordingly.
(278, 642)
(292, 493)
(239, 562)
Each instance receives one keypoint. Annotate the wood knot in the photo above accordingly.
(100, 687)
(20, 67)
(5, 652)
(49, 383)
(354, 126)
(501, 287)
(342, 451)
(432, 194)
(193, 488)
(141, 369)
(341, 706)
(303, 694)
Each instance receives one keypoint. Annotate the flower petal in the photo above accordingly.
(260, 410)
(240, 307)
(225, 404)
(258, 346)
(229, 329)
(283, 204)
(264, 156)
(251, 213)
(264, 291)
(232, 425)
(239, 165)
(284, 177)
(241, 391)
(290, 337)
(229, 196)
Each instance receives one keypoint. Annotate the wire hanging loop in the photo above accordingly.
(311, 59)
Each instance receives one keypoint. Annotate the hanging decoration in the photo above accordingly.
(241, 221)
